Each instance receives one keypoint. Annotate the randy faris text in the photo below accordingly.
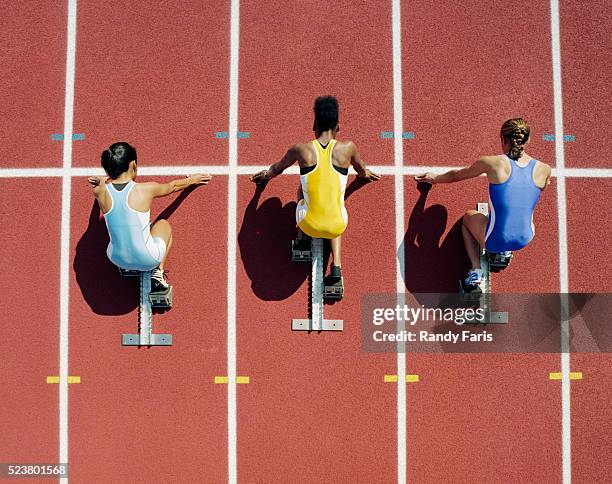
(428, 336)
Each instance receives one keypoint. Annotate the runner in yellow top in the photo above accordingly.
(320, 211)
(324, 165)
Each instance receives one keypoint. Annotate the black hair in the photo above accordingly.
(117, 158)
(326, 111)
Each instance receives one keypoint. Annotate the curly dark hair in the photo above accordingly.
(326, 111)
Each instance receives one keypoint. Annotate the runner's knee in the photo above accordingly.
(468, 215)
(162, 228)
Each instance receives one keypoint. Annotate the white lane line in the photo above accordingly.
(585, 172)
(232, 435)
(65, 234)
(32, 172)
(566, 442)
(398, 149)
(250, 169)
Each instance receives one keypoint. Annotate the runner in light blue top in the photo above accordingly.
(135, 243)
(131, 244)
(515, 183)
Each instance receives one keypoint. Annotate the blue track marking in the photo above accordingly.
(566, 137)
(225, 135)
(390, 135)
(75, 137)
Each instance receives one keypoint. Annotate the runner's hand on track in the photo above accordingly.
(200, 178)
(369, 175)
(94, 181)
(261, 177)
(428, 177)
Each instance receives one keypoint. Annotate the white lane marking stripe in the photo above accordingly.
(65, 234)
(566, 452)
(250, 169)
(398, 149)
(232, 433)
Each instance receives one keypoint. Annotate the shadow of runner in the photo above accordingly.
(432, 266)
(103, 289)
(264, 241)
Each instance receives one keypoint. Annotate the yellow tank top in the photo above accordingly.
(323, 190)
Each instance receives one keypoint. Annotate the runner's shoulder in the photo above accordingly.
(346, 146)
(543, 168)
(491, 160)
(302, 150)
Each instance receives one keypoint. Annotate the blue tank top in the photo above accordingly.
(129, 232)
(510, 225)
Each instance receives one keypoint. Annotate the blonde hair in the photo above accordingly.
(516, 132)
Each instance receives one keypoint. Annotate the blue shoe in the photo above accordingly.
(473, 280)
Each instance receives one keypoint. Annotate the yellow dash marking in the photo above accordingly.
(71, 379)
(395, 378)
(574, 375)
(239, 379)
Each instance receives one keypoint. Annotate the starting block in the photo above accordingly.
(483, 297)
(145, 336)
(317, 322)
(301, 250)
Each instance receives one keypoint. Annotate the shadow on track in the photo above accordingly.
(264, 242)
(432, 265)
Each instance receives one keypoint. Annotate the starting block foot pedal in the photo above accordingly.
(309, 325)
(129, 272)
(469, 295)
(301, 250)
(333, 288)
(162, 299)
(155, 339)
(498, 260)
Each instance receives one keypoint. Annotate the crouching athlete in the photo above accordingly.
(324, 164)
(515, 182)
(135, 244)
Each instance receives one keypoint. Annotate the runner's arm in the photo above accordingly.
(156, 190)
(97, 184)
(292, 155)
(548, 172)
(477, 168)
(359, 166)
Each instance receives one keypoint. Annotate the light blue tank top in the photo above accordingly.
(511, 205)
(129, 232)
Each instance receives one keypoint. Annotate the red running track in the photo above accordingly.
(316, 408)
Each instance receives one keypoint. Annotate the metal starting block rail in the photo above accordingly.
(491, 317)
(317, 322)
(145, 336)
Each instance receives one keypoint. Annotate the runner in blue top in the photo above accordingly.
(515, 183)
(126, 205)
